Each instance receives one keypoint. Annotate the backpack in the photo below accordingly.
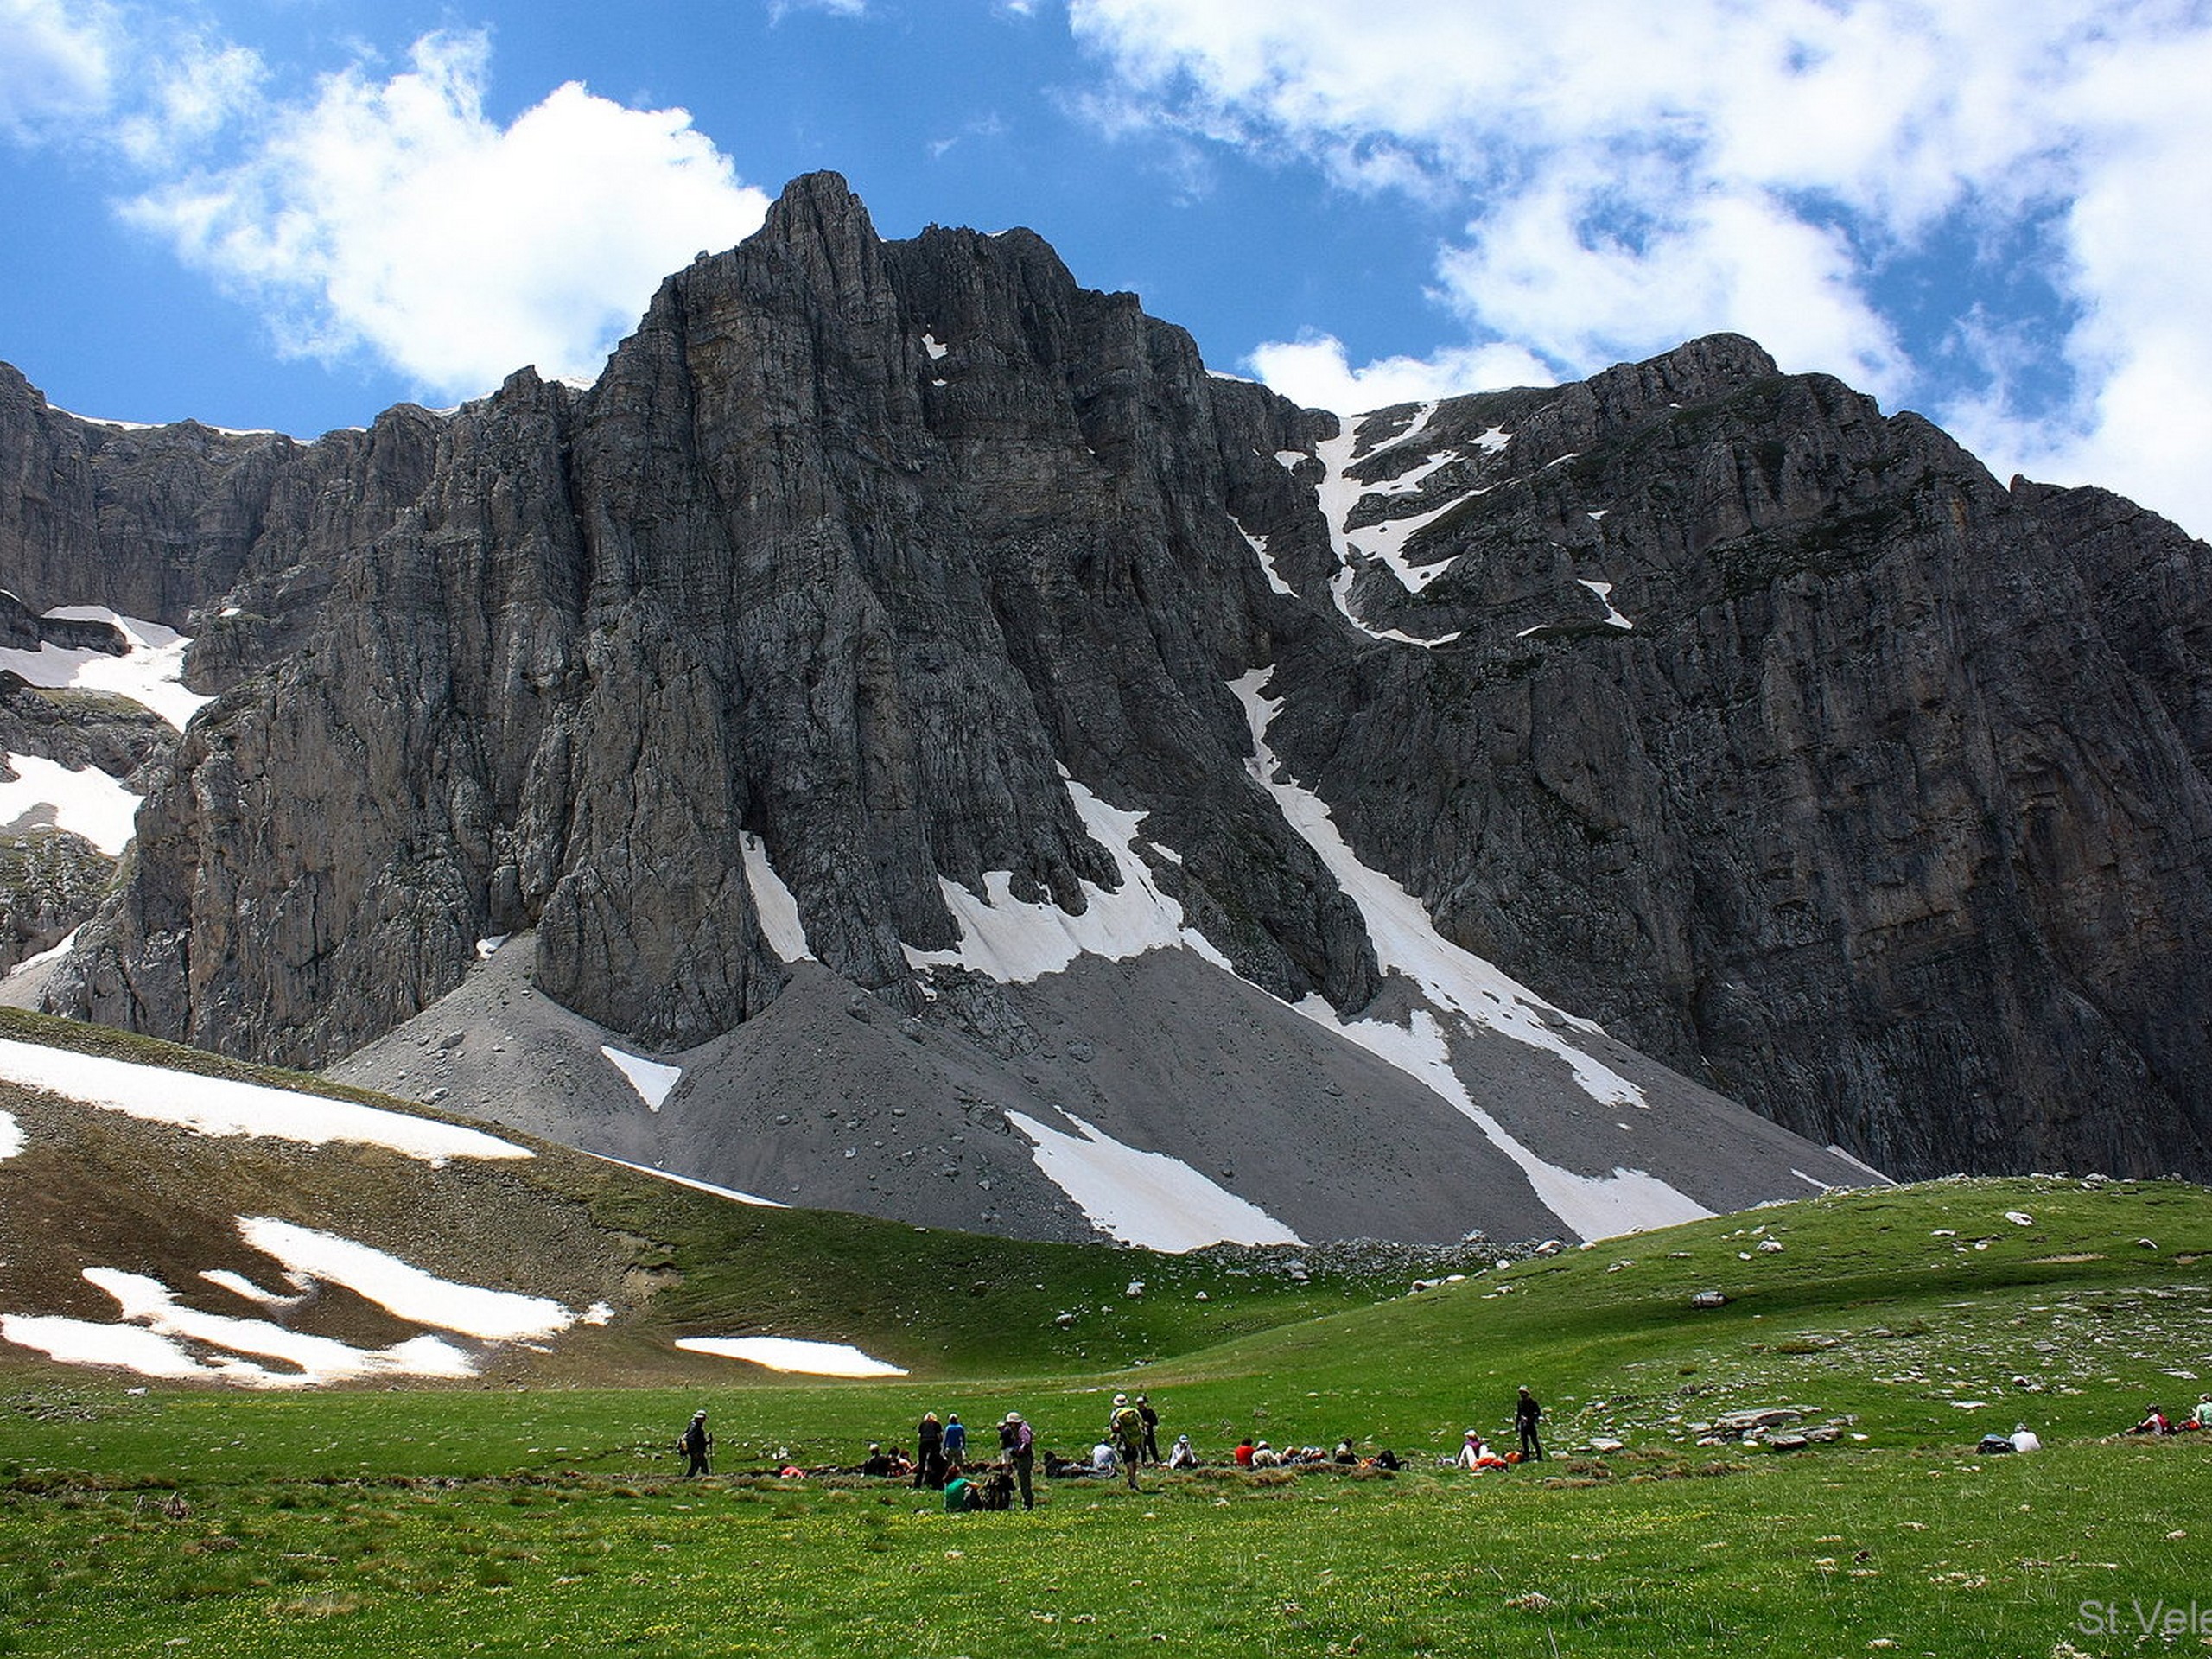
(998, 1491)
(1128, 1426)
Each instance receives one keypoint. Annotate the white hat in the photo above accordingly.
(1013, 1416)
(1121, 1398)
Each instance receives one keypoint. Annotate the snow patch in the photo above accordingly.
(53, 953)
(86, 802)
(650, 1078)
(685, 1180)
(1014, 942)
(151, 673)
(773, 903)
(1596, 1206)
(1338, 494)
(12, 1135)
(791, 1354)
(1259, 546)
(402, 1290)
(239, 1285)
(1146, 1198)
(935, 351)
(1605, 592)
(220, 1106)
(1493, 440)
(487, 949)
(152, 1331)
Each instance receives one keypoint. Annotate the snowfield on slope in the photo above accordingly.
(150, 674)
(1014, 942)
(1146, 1198)
(792, 1354)
(219, 1106)
(157, 1335)
(1458, 983)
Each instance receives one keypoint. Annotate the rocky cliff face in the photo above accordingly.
(1712, 703)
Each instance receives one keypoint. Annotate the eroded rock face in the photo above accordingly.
(1770, 731)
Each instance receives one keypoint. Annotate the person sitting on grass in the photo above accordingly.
(1182, 1454)
(2202, 1417)
(1244, 1452)
(876, 1463)
(1344, 1453)
(2154, 1422)
(1472, 1450)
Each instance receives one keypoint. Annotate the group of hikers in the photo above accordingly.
(944, 1461)
(2155, 1420)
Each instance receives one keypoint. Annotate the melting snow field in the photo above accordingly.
(1338, 494)
(151, 673)
(685, 1180)
(86, 802)
(1406, 939)
(1015, 943)
(406, 1291)
(650, 1078)
(156, 1335)
(790, 1354)
(1146, 1197)
(772, 901)
(12, 1135)
(219, 1106)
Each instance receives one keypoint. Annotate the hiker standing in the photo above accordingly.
(695, 1443)
(1151, 1419)
(1526, 1414)
(929, 1451)
(1018, 1445)
(1125, 1431)
(955, 1442)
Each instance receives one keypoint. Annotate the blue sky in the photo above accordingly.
(295, 212)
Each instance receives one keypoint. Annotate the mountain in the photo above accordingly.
(911, 697)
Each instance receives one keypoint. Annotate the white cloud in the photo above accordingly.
(192, 92)
(394, 216)
(57, 63)
(1315, 372)
(1634, 172)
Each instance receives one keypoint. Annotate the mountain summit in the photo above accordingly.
(979, 751)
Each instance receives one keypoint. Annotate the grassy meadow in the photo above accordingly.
(517, 1519)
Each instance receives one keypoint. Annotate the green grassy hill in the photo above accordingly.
(537, 1508)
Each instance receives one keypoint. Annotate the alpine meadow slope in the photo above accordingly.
(909, 696)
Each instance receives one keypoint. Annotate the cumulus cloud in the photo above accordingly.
(57, 63)
(1632, 174)
(392, 216)
(1316, 372)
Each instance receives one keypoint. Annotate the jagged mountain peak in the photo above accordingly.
(905, 617)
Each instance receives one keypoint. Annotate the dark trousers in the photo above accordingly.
(696, 1460)
(929, 1471)
(1022, 1466)
(1530, 1450)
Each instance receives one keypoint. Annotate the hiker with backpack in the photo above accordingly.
(1018, 1445)
(1151, 1429)
(1526, 1415)
(929, 1452)
(695, 1443)
(1125, 1432)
